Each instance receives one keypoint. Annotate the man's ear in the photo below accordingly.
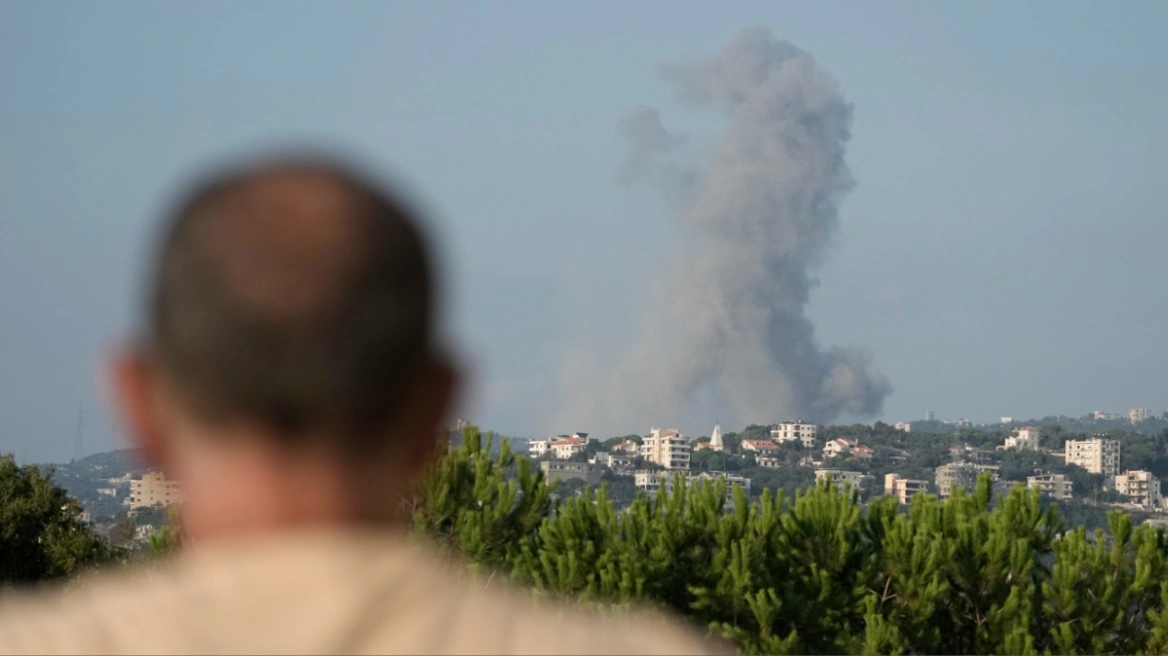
(439, 392)
(135, 389)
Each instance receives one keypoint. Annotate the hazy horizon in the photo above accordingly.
(1000, 252)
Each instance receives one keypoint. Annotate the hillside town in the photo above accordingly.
(1095, 462)
(1066, 466)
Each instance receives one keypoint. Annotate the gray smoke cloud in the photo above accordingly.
(754, 218)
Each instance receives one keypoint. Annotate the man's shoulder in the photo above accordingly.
(324, 597)
(517, 622)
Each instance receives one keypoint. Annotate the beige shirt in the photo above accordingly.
(318, 593)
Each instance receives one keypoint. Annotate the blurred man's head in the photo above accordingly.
(289, 319)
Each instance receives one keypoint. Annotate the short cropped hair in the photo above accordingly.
(293, 293)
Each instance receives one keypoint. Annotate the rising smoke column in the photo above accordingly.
(754, 220)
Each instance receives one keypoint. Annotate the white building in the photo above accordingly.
(567, 447)
(648, 479)
(1141, 487)
(766, 447)
(903, 488)
(667, 448)
(838, 447)
(903, 426)
(1136, 415)
(1024, 439)
(1055, 486)
(795, 431)
(769, 462)
(538, 448)
(1097, 455)
(628, 446)
(839, 476)
(716, 443)
(1006, 420)
(618, 460)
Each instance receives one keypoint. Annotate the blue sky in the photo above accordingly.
(1002, 253)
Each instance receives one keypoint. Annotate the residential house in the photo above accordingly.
(768, 461)
(1024, 439)
(628, 446)
(539, 448)
(903, 426)
(765, 447)
(860, 452)
(838, 447)
(566, 447)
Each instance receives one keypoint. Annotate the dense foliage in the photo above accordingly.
(42, 536)
(817, 573)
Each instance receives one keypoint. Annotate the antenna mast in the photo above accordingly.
(79, 447)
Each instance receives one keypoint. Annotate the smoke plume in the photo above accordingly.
(753, 220)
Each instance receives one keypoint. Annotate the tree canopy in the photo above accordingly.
(42, 535)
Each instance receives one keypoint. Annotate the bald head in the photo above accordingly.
(295, 295)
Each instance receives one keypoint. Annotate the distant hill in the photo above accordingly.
(91, 479)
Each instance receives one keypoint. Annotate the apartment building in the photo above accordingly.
(903, 488)
(1141, 487)
(1097, 455)
(153, 489)
(903, 426)
(667, 448)
(795, 431)
(1055, 486)
(1136, 415)
(959, 474)
(839, 476)
(648, 480)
